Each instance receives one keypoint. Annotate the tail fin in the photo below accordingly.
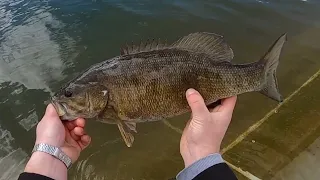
(271, 61)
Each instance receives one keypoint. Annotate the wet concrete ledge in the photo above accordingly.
(273, 147)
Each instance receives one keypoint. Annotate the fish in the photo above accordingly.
(147, 81)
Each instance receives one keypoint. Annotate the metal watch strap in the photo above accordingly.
(54, 151)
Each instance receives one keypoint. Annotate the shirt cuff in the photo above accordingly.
(197, 167)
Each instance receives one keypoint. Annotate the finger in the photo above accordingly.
(85, 141)
(70, 125)
(80, 122)
(74, 136)
(228, 104)
(214, 107)
(51, 111)
(79, 131)
(68, 135)
(196, 103)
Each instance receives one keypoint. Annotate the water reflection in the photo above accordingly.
(6, 141)
(30, 60)
(29, 56)
(39, 46)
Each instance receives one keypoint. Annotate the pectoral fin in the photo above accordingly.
(125, 127)
(125, 133)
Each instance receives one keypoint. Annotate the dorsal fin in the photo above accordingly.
(147, 46)
(211, 44)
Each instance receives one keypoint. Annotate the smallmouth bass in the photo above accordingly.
(147, 82)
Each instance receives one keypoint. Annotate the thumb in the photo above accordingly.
(51, 112)
(196, 103)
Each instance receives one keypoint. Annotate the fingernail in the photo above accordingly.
(191, 91)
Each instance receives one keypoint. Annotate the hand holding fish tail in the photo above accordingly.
(203, 134)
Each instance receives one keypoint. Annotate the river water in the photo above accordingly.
(45, 43)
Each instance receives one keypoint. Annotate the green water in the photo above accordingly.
(43, 44)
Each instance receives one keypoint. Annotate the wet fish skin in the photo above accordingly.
(148, 83)
(148, 95)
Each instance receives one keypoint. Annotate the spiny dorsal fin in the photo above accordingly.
(149, 45)
(211, 44)
(201, 42)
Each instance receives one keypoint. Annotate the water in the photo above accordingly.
(43, 44)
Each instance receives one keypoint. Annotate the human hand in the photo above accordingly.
(69, 136)
(203, 134)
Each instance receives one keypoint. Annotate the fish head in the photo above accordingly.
(80, 101)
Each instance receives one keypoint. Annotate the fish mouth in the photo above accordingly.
(62, 110)
(66, 117)
(60, 107)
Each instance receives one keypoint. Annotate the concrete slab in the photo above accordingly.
(281, 138)
(305, 166)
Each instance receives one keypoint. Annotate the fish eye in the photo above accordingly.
(67, 93)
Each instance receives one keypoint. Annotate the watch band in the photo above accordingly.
(54, 151)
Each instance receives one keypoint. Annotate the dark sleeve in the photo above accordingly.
(217, 172)
(33, 176)
(210, 167)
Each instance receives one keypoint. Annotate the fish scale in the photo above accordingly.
(219, 79)
(148, 82)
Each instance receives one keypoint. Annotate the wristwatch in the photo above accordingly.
(55, 152)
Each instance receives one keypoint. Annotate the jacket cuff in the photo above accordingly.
(197, 167)
(34, 176)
